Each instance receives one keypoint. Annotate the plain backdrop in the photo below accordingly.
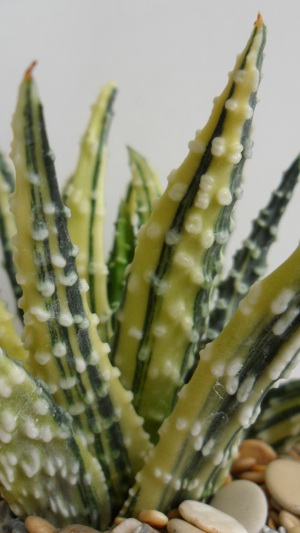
(169, 59)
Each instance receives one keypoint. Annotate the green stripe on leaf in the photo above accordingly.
(45, 467)
(249, 262)
(179, 250)
(60, 331)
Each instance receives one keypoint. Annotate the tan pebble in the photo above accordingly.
(175, 525)
(256, 477)
(239, 500)
(153, 518)
(208, 519)
(35, 524)
(283, 482)
(240, 464)
(271, 523)
(262, 452)
(127, 526)
(275, 517)
(258, 468)
(288, 520)
(174, 513)
(78, 528)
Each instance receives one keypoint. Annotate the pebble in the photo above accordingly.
(209, 519)
(288, 520)
(174, 513)
(244, 501)
(35, 524)
(145, 528)
(127, 526)
(257, 449)
(175, 525)
(254, 476)
(77, 528)
(153, 518)
(282, 478)
(242, 464)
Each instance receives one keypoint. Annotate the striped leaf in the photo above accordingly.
(249, 262)
(10, 340)
(134, 211)
(179, 250)
(84, 195)
(145, 186)
(278, 423)
(60, 331)
(45, 468)
(121, 254)
(258, 346)
(8, 226)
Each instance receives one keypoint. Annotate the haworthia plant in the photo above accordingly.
(84, 195)
(7, 225)
(186, 232)
(10, 340)
(279, 421)
(224, 394)
(61, 475)
(60, 333)
(249, 262)
(145, 187)
(134, 211)
(74, 445)
(121, 254)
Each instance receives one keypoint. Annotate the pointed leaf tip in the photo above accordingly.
(259, 21)
(28, 72)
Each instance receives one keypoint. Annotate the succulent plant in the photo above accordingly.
(106, 405)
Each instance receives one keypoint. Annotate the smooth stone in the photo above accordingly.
(288, 520)
(153, 518)
(129, 525)
(78, 528)
(257, 449)
(244, 501)
(176, 525)
(145, 528)
(208, 518)
(35, 524)
(282, 478)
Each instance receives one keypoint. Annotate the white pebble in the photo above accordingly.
(209, 519)
(282, 478)
(127, 526)
(244, 501)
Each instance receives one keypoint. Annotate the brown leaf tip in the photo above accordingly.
(28, 72)
(259, 21)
